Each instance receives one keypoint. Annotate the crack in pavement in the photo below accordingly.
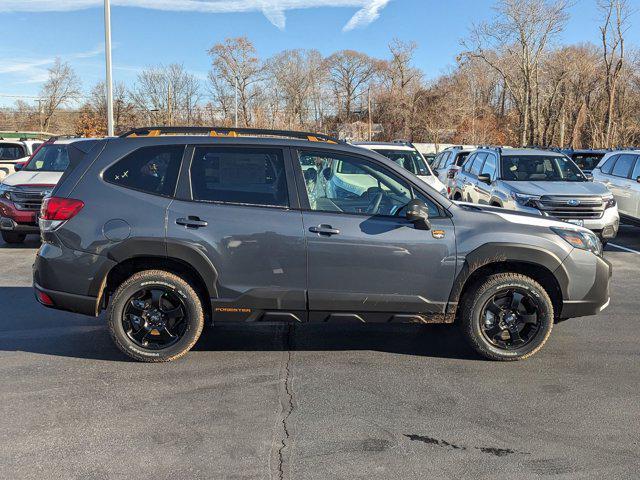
(286, 400)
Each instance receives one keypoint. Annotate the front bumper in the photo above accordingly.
(14, 220)
(586, 291)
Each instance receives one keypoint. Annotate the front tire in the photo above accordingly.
(13, 237)
(155, 316)
(507, 317)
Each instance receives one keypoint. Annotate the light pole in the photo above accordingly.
(107, 54)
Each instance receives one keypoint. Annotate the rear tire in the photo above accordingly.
(489, 334)
(13, 237)
(166, 338)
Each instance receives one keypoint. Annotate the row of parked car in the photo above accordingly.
(594, 189)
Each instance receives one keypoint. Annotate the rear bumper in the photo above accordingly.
(596, 298)
(70, 302)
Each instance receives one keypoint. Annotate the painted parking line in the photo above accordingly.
(623, 248)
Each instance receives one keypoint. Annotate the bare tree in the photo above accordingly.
(61, 88)
(615, 17)
(513, 44)
(350, 72)
(235, 62)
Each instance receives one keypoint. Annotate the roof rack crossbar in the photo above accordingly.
(228, 132)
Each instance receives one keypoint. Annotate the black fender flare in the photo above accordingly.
(186, 252)
(495, 253)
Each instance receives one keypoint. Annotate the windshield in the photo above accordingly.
(540, 168)
(11, 151)
(407, 159)
(587, 161)
(50, 158)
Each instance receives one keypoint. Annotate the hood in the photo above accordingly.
(32, 178)
(433, 182)
(558, 188)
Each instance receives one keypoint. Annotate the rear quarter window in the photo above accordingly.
(608, 165)
(148, 169)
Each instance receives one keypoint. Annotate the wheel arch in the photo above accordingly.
(536, 263)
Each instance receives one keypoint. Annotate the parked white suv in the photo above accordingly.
(620, 172)
(14, 151)
(409, 158)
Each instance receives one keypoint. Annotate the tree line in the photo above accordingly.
(512, 84)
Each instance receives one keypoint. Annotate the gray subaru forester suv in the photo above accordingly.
(169, 229)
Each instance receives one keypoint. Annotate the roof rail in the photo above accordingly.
(228, 132)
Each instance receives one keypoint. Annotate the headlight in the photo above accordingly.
(5, 191)
(525, 200)
(609, 201)
(584, 240)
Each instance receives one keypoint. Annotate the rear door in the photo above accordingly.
(635, 190)
(364, 257)
(620, 183)
(240, 211)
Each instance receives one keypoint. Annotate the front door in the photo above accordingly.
(484, 190)
(363, 255)
(239, 217)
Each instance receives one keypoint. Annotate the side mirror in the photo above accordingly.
(418, 214)
(19, 166)
(485, 179)
(638, 179)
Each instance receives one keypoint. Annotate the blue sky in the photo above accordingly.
(33, 34)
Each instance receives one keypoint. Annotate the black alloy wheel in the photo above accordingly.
(155, 318)
(510, 319)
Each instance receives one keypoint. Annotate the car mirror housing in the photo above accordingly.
(485, 179)
(19, 166)
(418, 214)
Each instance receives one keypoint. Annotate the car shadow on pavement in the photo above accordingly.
(27, 326)
(32, 241)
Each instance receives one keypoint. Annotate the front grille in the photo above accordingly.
(572, 207)
(29, 199)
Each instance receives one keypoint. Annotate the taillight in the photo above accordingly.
(60, 209)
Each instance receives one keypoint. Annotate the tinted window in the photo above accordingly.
(462, 156)
(489, 167)
(587, 161)
(477, 164)
(9, 151)
(239, 175)
(340, 183)
(150, 169)
(540, 168)
(50, 158)
(636, 170)
(608, 165)
(623, 166)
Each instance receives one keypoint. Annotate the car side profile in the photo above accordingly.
(620, 172)
(539, 182)
(172, 228)
(447, 164)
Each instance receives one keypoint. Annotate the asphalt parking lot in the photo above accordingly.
(316, 401)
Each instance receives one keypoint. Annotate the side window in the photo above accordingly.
(636, 170)
(477, 164)
(444, 159)
(623, 166)
(344, 184)
(489, 167)
(466, 167)
(608, 165)
(247, 176)
(149, 169)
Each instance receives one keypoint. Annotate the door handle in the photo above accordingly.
(324, 230)
(191, 222)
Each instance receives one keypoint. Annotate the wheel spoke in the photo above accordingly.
(494, 308)
(173, 313)
(156, 295)
(528, 318)
(515, 336)
(516, 300)
(141, 334)
(493, 332)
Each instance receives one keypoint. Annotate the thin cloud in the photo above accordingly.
(274, 10)
(36, 70)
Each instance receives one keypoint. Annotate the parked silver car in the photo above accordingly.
(537, 181)
(448, 162)
(620, 172)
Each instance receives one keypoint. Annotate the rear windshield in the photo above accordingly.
(540, 168)
(407, 159)
(11, 151)
(50, 158)
(587, 161)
